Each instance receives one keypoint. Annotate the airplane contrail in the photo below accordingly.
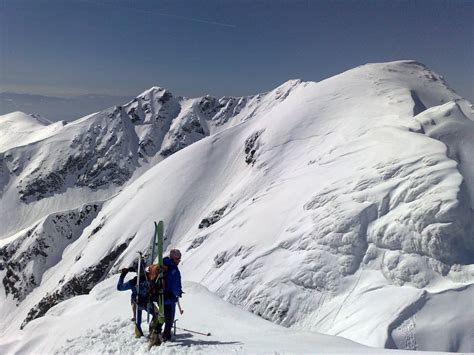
(198, 20)
(164, 14)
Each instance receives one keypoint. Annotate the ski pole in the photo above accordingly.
(180, 309)
(193, 331)
(174, 326)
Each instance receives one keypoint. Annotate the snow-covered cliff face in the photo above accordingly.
(344, 206)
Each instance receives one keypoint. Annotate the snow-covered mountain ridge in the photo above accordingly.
(343, 206)
(101, 152)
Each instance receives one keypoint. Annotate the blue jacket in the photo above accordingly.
(173, 288)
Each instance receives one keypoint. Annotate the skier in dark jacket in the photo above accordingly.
(143, 302)
(173, 290)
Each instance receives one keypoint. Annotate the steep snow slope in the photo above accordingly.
(331, 206)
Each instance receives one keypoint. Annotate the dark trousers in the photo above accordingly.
(170, 310)
(138, 321)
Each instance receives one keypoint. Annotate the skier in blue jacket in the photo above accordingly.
(143, 301)
(173, 290)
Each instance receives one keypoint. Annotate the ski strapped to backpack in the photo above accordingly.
(160, 277)
(156, 285)
(152, 258)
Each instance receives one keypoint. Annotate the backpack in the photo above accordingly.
(140, 298)
(154, 287)
(153, 271)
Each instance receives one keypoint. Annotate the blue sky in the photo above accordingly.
(219, 47)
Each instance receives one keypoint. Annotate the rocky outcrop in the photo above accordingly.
(40, 248)
(77, 285)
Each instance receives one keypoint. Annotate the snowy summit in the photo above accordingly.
(332, 216)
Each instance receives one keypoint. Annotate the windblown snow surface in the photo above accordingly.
(343, 207)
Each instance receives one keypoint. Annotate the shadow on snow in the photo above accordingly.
(185, 339)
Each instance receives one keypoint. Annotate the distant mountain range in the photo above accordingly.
(344, 206)
(58, 108)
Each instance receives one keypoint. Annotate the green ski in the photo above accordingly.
(160, 281)
(158, 287)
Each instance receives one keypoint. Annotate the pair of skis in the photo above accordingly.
(157, 243)
(157, 247)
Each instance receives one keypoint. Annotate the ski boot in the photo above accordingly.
(155, 340)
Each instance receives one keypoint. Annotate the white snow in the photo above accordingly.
(18, 128)
(342, 207)
(100, 323)
(449, 124)
(418, 328)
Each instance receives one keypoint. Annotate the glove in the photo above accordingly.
(131, 269)
(124, 272)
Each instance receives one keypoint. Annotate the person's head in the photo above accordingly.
(175, 256)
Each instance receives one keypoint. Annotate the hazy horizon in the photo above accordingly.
(222, 48)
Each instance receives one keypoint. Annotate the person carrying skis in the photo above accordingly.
(173, 290)
(140, 298)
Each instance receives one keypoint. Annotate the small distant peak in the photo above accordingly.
(15, 114)
(153, 91)
(156, 89)
(24, 118)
